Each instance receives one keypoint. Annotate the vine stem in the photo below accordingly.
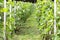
(4, 31)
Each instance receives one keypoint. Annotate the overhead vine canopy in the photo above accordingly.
(31, 1)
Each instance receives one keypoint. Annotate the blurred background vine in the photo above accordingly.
(30, 21)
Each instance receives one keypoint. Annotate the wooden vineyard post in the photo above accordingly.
(4, 31)
(55, 28)
(14, 11)
(10, 16)
(54, 16)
